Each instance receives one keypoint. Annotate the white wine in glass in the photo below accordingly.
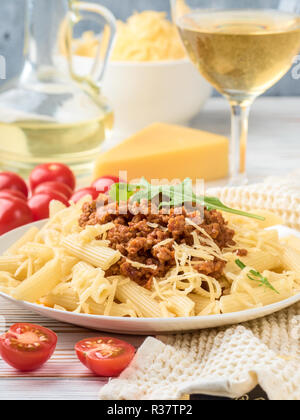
(242, 52)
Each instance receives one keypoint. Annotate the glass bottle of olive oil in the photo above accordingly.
(50, 113)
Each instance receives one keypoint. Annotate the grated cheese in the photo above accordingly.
(136, 264)
(146, 36)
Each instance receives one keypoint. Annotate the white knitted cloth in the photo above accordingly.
(221, 362)
(225, 362)
(279, 195)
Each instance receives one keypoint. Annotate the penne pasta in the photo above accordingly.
(180, 305)
(201, 302)
(69, 301)
(257, 259)
(291, 259)
(259, 297)
(292, 242)
(7, 282)
(41, 283)
(90, 282)
(141, 297)
(28, 237)
(10, 264)
(34, 250)
(98, 256)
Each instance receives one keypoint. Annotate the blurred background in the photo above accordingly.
(11, 35)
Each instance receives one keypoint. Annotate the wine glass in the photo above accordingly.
(242, 47)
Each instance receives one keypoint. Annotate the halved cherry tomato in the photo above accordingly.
(49, 187)
(39, 204)
(11, 181)
(49, 172)
(103, 184)
(12, 194)
(78, 195)
(105, 356)
(27, 347)
(13, 214)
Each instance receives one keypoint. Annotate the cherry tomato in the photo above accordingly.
(13, 194)
(39, 204)
(105, 356)
(13, 213)
(27, 347)
(103, 184)
(11, 181)
(49, 172)
(49, 187)
(78, 195)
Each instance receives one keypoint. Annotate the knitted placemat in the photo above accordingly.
(222, 362)
(227, 362)
(275, 194)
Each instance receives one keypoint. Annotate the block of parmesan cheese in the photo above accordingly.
(163, 151)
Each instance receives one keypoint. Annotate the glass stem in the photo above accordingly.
(238, 145)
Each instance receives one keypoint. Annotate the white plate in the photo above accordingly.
(144, 326)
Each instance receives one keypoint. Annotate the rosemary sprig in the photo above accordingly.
(256, 276)
(176, 195)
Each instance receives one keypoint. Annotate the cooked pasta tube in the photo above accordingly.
(291, 259)
(55, 207)
(90, 282)
(257, 259)
(25, 270)
(33, 250)
(181, 306)
(41, 283)
(10, 264)
(271, 219)
(117, 309)
(92, 232)
(236, 303)
(261, 296)
(69, 301)
(7, 283)
(130, 291)
(98, 256)
(28, 237)
(201, 302)
(293, 242)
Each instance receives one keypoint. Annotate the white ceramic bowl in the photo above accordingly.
(143, 93)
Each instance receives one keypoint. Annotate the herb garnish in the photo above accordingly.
(175, 194)
(256, 276)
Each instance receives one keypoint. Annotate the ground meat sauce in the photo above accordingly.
(137, 230)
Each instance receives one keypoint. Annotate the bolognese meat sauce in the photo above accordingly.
(138, 230)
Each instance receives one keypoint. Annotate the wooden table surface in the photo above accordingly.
(274, 149)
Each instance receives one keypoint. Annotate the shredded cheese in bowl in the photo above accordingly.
(146, 36)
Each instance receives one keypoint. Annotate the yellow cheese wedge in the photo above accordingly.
(163, 151)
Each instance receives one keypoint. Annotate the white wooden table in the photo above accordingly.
(274, 149)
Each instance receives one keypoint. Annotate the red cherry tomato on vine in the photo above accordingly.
(78, 195)
(13, 194)
(49, 187)
(50, 172)
(105, 356)
(13, 214)
(39, 204)
(103, 184)
(27, 347)
(11, 181)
